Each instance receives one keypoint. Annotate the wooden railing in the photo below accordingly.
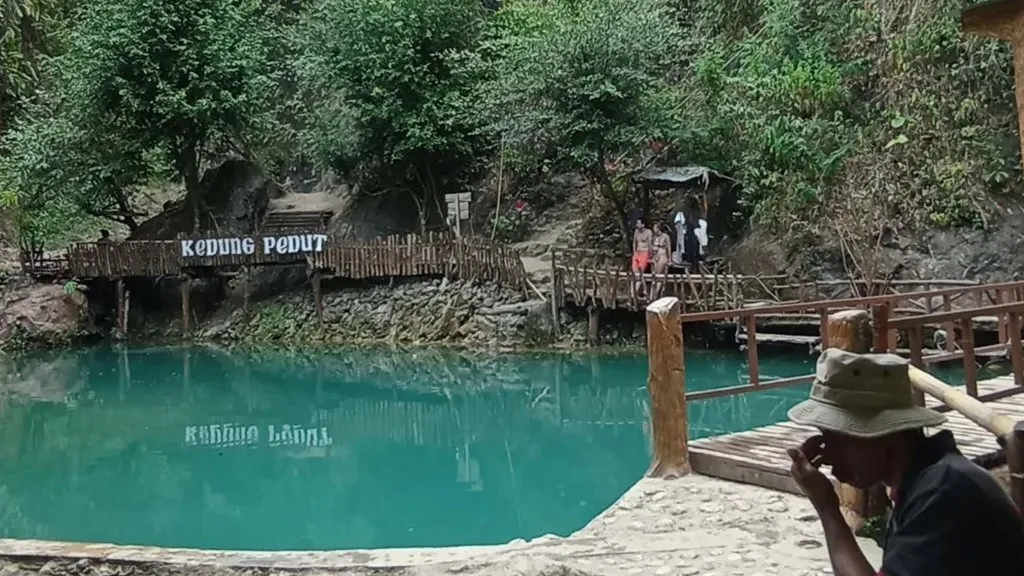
(862, 325)
(590, 278)
(895, 313)
(397, 255)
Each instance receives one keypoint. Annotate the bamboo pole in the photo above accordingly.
(666, 383)
(972, 408)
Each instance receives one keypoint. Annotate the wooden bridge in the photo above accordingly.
(593, 279)
(324, 256)
(987, 417)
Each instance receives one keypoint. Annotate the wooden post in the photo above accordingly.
(246, 281)
(592, 324)
(950, 326)
(555, 329)
(1014, 444)
(127, 306)
(119, 305)
(666, 383)
(318, 297)
(1016, 354)
(850, 330)
(970, 364)
(186, 311)
(753, 370)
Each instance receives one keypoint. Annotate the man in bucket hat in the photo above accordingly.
(949, 516)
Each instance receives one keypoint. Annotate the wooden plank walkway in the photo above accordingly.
(759, 457)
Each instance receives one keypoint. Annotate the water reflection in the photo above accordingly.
(361, 449)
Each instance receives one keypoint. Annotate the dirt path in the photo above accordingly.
(535, 251)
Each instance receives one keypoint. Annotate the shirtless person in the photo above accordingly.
(662, 257)
(642, 245)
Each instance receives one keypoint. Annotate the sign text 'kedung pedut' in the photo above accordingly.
(287, 244)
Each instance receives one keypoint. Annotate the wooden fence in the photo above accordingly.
(860, 325)
(397, 255)
(893, 313)
(589, 279)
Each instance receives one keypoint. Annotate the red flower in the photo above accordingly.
(657, 146)
(519, 206)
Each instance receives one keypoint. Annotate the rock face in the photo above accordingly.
(40, 314)
(414, 312)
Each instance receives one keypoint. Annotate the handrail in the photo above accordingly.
(854, 331)
(844, 302)
(975, 410)
(938, 317)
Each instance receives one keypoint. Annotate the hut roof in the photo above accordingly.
(675, 176)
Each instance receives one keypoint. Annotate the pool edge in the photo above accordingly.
(386, 559)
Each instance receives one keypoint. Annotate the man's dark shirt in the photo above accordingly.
(951, 517)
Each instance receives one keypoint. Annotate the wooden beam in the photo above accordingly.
(850, 330)
(186, 311)
(1014, 444)
(666, 384)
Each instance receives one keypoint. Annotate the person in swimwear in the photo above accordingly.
(642, 245)
(662, 244)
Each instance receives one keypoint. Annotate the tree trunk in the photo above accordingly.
(188, 166)
(607, 190)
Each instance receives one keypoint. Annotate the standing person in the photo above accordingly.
(642, 245)
(692, 235)
(662, 244)
(949, 517)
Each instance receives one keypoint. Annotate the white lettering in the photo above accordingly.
(235, 246)
(200, 248)
(320, 239)
(248, 246)
(224, 245)
(282, 245)
(307, 243)
(224, 435)
(294, 244)
(268, 244)
(186, 248)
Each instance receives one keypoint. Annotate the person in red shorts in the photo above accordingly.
(642, 246)
(949, 518)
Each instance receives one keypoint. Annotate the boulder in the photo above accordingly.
(39, 314)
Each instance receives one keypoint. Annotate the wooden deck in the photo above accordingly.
(759, 457)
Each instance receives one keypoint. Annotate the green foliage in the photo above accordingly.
(578, 85)
(807, 102)
(143, 84)
(384, 90)
(28, 33)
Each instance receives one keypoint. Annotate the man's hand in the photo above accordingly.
(812, 481)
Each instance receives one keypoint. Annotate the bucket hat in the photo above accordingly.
(863, 395)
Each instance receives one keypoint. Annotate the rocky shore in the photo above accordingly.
(418, 311)
(414, 312)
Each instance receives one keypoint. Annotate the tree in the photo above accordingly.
(385, 90)
(580, 85)
(186, 79)
(27, 30)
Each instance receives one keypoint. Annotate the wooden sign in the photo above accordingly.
(287, 244)
(458, 208)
